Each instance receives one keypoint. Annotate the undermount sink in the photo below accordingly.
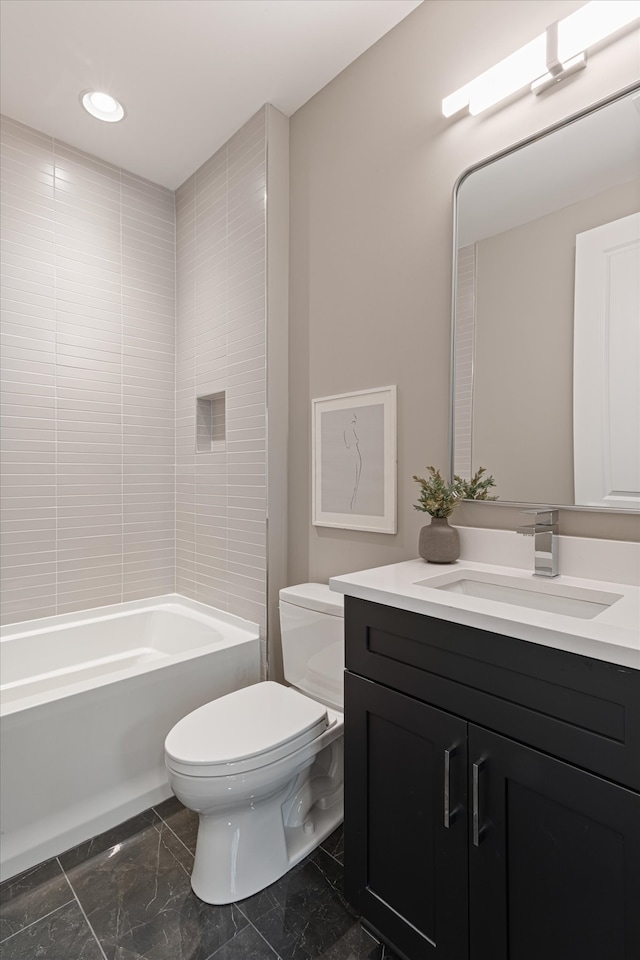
(533, 594)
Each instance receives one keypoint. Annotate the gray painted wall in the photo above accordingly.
(373, 167)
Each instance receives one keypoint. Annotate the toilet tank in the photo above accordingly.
(312, 630)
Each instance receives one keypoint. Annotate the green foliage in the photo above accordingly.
(477, 487)
(438, 497)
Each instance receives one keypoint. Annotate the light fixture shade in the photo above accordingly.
(457, 101)
(547, 59)
(592, 24)
(102, 106)
(510, 75)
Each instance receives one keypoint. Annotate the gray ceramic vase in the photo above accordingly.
(439, 543)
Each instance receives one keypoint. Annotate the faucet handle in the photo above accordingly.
(543, 516)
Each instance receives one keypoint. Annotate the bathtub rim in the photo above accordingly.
(243, 631)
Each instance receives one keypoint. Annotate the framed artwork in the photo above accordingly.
(354, 456)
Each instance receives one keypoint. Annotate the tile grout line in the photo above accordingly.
(262, 937)
(170, 828)
(82, 911)
(37, 920)
(333, 857)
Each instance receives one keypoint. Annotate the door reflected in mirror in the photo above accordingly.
(546, 385)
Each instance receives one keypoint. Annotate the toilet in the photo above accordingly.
(263, 766)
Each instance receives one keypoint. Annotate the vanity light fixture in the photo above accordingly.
(102, 106)
(551, 57)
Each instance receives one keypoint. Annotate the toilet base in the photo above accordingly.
(301, 842)
(280, 850)
(244, 848)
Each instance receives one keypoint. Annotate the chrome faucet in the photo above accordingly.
(544, 530)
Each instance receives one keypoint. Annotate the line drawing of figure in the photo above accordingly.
(352, 443)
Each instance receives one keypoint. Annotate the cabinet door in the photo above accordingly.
(554, 858)
(405, 820)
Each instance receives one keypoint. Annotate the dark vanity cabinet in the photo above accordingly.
(492, 793)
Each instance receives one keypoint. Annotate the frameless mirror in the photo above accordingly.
(546, 327)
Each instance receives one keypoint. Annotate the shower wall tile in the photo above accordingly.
(148, 236)
(122, 303)
(221, 346)
(27, 366)
(185, 387)
(88, 380)
(90, 510)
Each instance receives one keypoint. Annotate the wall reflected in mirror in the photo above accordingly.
(546, 384)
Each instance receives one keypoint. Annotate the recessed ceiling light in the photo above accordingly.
(102, 106)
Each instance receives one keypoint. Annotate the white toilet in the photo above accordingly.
(263, 766)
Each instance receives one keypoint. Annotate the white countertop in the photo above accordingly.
(613, 635)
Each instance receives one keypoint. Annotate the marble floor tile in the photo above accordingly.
(304, 913)
(246, 945)
(183, 822)
(356, 944)
(105, 842)
(126, 895)
(137, 896)
(334, 845)
(32, 895)
(62, 935)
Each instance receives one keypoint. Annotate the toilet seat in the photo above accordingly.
(243, 731)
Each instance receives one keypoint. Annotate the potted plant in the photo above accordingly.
(440, 543)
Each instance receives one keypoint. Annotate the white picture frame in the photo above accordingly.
(354, 461)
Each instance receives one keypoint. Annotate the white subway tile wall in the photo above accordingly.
(88, 381)
(103, 357)
(220, 346)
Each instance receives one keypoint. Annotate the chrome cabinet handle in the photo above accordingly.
(477, 829)
(449, 814)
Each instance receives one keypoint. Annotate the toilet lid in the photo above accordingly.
(247, 729)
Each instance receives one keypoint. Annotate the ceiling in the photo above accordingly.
(188, 72)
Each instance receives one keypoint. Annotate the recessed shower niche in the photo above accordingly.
(211, 431)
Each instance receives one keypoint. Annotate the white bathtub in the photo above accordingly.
(86, 702)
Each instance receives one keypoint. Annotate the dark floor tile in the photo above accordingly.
(31, 895)
(356, 944)
(334, 844)
(247, 945)
(167, 807)
(137, 896)
(183, 822)
(62, 935)
(109, 839)
(304, 914)
(331, 870)
(133, 882)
